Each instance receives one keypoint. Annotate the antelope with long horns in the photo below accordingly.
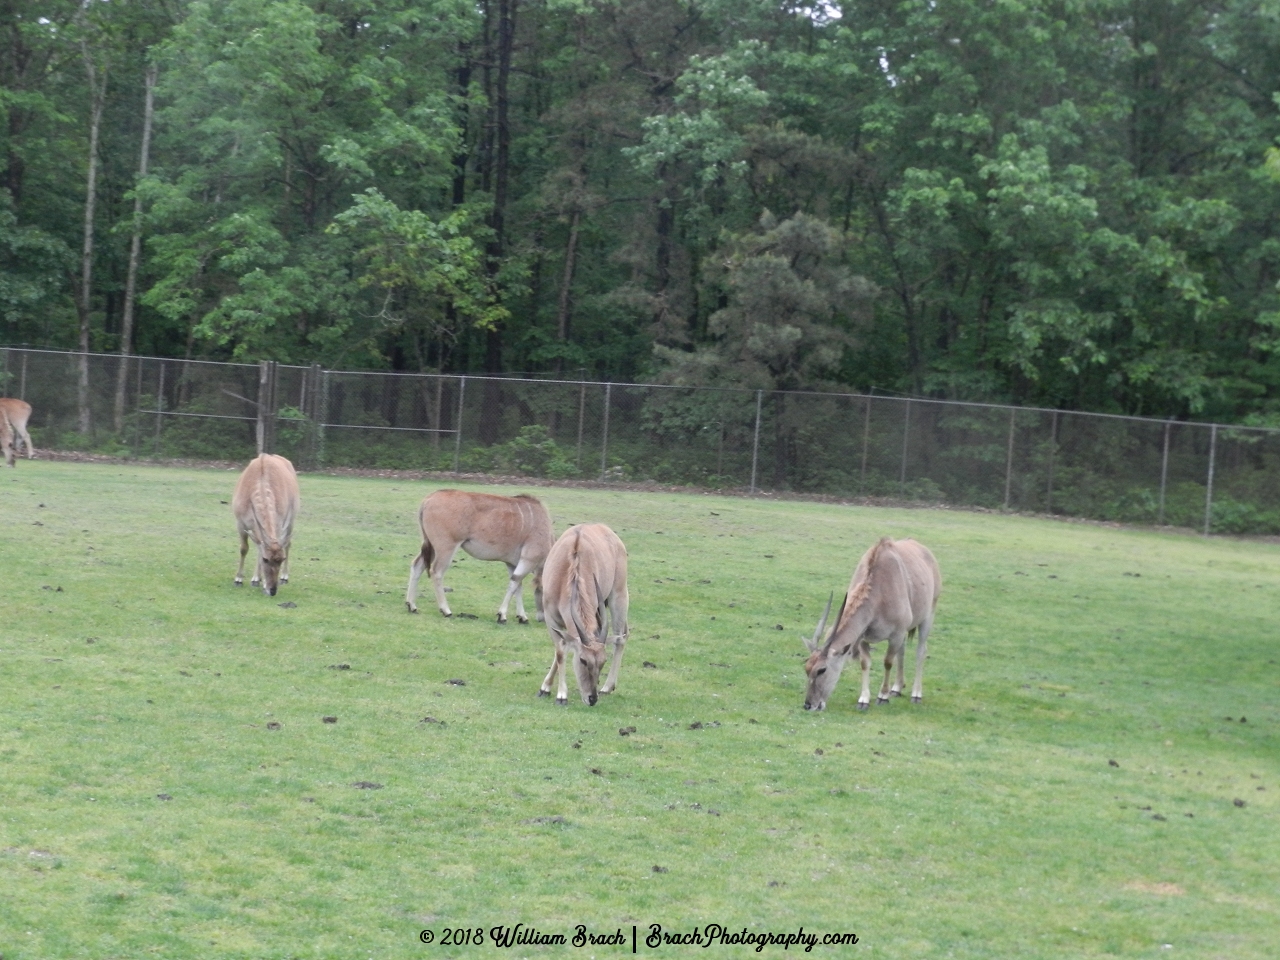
(894, 592)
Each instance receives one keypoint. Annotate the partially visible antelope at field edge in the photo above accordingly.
(516, 530)
(894, 592)
(14, 415)
(265, 504)
(585, 576)
(6, 440)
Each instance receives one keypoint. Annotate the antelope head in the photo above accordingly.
(272, 554)
(824, 664)
(588, 663)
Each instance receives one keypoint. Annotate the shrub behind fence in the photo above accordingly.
(1215, 477)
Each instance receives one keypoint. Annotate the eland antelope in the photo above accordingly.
(516, 530)
(265, 504)
(586, 574)
(14, 415)
(894, 592)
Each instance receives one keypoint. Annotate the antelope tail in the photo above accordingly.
(579, 610)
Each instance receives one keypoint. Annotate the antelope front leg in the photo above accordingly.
(864, 658)
(244, 548)
(284, 568)
(557, 663)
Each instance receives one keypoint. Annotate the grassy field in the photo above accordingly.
(1094, 771)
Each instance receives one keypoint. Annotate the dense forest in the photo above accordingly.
(1069, 203)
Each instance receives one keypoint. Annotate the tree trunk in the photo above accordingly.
(566, 284)
(491, 409)
(97, 96)
(135, 248)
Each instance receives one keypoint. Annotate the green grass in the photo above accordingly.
(986, 822)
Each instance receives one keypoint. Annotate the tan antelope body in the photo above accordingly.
(894, 592)
(585, 578)
(265, 504)
(14, 415)
(516, 530)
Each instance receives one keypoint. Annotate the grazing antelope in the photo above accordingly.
(516, 530)
(894, 592)
(586, 574)
(264, 504)
(14, 415)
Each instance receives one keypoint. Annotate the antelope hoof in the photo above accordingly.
(895, 693)
(544, 693)
(863, 706)
(882, 699)
(446, 613)
(917, 699)
(522, 619)
(562, 701)
(238, 582)
(501, 618)
(412, 608)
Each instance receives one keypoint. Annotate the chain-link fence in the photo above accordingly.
(1208, 476)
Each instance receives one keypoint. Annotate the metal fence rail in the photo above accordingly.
(1214, 477)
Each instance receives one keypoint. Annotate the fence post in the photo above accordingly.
(322, 416)
(159, 410)
(266, 406)
(1008, 459)
(1053, 447)
(906, 433)
(604, 443)
(261, 431)
(755, 442)
(1164, 472)
(866, 436)
(137, 409)
(313, 411)
(22, 383)
(457, 424)
(1208, 495)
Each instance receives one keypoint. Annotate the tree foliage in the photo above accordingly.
(1055, 202)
